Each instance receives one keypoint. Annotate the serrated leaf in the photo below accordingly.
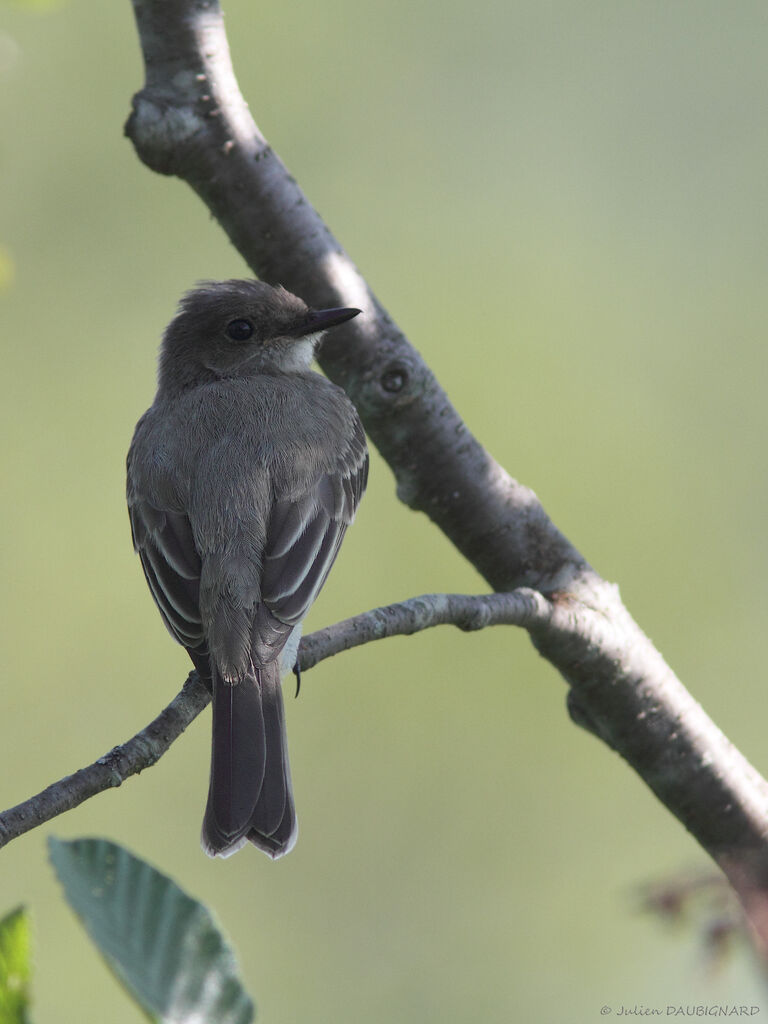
(163, 945)
(15, 967)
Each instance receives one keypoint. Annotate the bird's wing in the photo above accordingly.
(172, 567)
(304, 535)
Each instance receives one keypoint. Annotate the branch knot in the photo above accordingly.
(160, 128)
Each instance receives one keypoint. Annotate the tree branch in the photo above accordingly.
(111, 770)
(190, 120)
(149, 745)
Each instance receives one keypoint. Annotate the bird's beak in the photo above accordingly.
(318, 320)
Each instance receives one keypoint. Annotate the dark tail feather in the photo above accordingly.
(273, 824)
(250, 789)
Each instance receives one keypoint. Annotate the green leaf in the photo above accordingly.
(15, 967)
(162, 945)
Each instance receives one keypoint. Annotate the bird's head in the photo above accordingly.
(240, 328)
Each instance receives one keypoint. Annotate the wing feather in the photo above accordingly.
(172, 567)
(305, 532)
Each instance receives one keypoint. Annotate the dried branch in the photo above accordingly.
(190, 120)
(149, 745)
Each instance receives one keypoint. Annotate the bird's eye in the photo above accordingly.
(239, 330)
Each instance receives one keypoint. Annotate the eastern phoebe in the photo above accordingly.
(242, 479)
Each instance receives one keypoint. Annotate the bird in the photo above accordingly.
(242, 478)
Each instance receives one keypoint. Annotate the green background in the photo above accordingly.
(564, 206)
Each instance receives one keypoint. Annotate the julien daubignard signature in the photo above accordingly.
(690, 1010)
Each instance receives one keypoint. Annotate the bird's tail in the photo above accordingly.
(250, 796)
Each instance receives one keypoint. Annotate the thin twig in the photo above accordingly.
(151, 742)
(111, 770)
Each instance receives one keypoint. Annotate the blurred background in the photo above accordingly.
(565, 207)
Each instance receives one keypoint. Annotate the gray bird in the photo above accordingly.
(242, 479)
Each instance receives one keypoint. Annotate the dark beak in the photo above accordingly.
(318, 320)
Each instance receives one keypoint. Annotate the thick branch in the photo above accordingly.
(149, 745)
(190, 120)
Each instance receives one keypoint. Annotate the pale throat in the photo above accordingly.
(300, 355)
